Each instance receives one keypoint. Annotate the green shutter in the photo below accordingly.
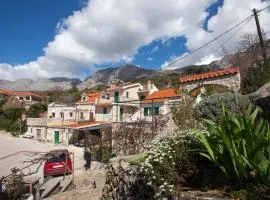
(127, 94)
(145, 111)
(156, 110)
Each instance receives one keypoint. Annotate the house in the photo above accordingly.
(229, 78)
(28, 98)
(159, 103)
(4, 94)
(121, 101)
(9, 99)
(61, 111)
(85, 108)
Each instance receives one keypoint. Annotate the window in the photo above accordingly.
(142, 97)
(20, 98)
(27, 98)
(145, 111)
(31, 130)
(105, 110)
(71, 114)
(53, 115)
(151, 111)
(62, 115)
(84, 98)
(81, 117)
(127, 94)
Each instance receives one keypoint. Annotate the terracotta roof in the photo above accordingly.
(6, 92)
(91, 98)
(160, 95)
(21, 93)
(212, 74)
(86, 124)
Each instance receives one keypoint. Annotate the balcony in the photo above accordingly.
(104, 117)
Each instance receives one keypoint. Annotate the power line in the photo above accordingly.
(216, 38)
(263, 8)
(211, 41)
(232, 35)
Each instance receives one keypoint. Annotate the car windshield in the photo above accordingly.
(58, 158)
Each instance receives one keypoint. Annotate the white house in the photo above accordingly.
(61, 111)
(85, 108)
(158, 103)
(120, 102)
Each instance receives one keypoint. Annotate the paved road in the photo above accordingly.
(10, 145)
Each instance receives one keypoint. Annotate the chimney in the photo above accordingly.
(149, 85)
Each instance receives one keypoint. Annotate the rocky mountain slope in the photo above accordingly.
(101, 77)
(53, 84)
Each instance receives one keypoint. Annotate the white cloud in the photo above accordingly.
(156, 48)
(113, 30)
(208, 59)
(150, 59)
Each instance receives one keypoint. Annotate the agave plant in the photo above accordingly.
(239, 144)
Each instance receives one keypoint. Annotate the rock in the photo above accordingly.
(125, 182)
(261, 93)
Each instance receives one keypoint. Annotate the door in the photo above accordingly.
(116, 97)
(56, 137)
(121, 114)
(91, 117)
(38, 133)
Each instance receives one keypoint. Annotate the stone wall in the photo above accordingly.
(230, 81)
(124, 182)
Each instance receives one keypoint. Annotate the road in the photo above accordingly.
(10, 145)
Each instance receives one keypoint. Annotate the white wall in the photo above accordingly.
(86, 109)
(61, 108)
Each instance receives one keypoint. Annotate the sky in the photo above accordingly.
(74, 38)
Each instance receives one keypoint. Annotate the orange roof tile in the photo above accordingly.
(212, 74)
(91, 98)
(160, 95)
(6, 92)
(22, 93)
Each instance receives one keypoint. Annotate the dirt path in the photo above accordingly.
(84, 187)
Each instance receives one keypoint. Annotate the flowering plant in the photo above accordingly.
(167, 165)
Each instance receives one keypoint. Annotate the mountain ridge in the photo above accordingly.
(128, 72)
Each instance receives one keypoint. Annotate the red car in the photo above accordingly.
(58, 163)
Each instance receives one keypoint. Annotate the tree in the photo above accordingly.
(36, 109)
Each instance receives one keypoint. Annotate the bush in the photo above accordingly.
(167, 165)
(183, 115)
(256, 77)
(240, 145)
(211, 106)
(36, 109)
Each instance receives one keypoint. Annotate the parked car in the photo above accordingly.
(79, 143)
(58, 162)
(28, 136)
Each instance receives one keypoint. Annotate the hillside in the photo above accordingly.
(129, 72)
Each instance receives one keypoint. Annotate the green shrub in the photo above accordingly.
(167, 165)
(36, 109)
(240, 145)
(211, 106)
(256, 77)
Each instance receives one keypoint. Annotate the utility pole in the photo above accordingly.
(255, 12)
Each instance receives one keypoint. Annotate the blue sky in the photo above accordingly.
(30, 25)
(47, 38)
